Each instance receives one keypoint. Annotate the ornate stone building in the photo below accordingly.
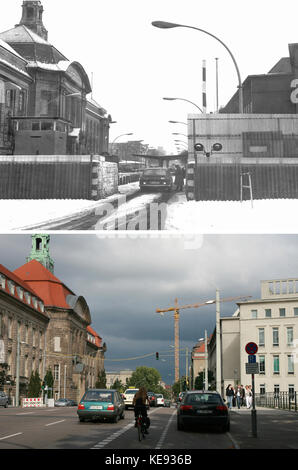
(67, 344)
(44, 96)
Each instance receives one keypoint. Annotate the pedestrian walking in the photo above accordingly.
(230, 395)
(248, 397)
(242, 396)
(239, 396)
(179, 180)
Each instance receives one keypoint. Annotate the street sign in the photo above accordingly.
(251, 348)
(252, 359)
(252, 368)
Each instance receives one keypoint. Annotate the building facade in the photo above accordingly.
(272, 323)
(122, 375)
(271, 93)
(55, 327)
(44, 96)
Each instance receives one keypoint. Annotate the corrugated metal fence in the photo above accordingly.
(219, 179)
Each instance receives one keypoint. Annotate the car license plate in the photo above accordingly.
(204, 412)
(95, 408)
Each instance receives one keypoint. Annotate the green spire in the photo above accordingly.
(40, 251)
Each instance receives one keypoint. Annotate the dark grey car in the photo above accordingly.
(203, 408)
(3, 399)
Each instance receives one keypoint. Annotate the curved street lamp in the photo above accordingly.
(167, 25)
(178, 122)
(118, 137)
(183, 99)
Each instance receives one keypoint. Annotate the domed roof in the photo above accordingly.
(31, 46)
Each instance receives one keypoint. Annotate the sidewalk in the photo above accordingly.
(276, 429)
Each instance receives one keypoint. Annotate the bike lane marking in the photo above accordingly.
(109, 439)
(163, 436)
(12, 435)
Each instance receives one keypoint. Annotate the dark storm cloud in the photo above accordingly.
(124, 280)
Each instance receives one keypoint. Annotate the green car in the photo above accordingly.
(101, 404)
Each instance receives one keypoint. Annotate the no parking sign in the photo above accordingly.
(251, 348)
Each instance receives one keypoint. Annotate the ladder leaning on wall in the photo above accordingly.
(247, 186)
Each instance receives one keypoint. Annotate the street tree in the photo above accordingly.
(118, 385)
(199, 381)
(48, 381)
(147, 377)
(34, 387)
(101, 379)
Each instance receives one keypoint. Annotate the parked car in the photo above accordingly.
(72, 403)
(160, 400)
(128, 397)
(101, 404)
(203, 408)
(63, 402)
(3, 399)
(152, 398)
(156, 178)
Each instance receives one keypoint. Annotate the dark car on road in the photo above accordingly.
(152, 398)
(203, 408)
(156, 178)
(98, 404)
(3, 399)
(65, 402)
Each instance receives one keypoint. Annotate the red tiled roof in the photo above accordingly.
(98, 339)
(9, 275)
(49, 287)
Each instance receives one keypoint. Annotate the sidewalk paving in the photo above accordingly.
(276, 429)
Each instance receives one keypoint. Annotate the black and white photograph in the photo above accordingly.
(148, 228)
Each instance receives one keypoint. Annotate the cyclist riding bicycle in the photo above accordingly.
(140, 402)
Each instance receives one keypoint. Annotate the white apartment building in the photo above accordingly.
(272, 323)
(122, 375)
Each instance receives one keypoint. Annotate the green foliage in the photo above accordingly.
(101, 380)
(199, 381)
(118, 385)
(179, 386)
(147, 377)
(49, 381)
(34, 387)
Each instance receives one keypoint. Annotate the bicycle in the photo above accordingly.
(141, 426)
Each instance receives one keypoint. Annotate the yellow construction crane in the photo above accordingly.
(176, 309)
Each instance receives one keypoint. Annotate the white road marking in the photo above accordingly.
(163, 436)
(118, 433)
(8, 437)
(56, 422)
(25, 414)
(233, 440)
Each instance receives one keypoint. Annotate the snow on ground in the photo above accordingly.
(17, 214)
(264, 216)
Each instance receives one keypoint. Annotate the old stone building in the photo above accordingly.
(48, 111)
(67, 344)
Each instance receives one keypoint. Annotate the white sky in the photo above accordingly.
(135, 64)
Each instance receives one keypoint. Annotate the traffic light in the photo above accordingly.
(157, 356)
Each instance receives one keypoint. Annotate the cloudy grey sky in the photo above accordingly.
(125, 279)
(134, 64)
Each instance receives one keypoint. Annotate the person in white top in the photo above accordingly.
(248, 396)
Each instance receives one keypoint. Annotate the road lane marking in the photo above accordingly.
(118, 433)
(12, 435)
(56, 422)
(25, 414)
(236, 446)
(163, 436)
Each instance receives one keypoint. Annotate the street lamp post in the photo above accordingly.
(167, 25)
(183, 99)
(118, 137)
(178, 122)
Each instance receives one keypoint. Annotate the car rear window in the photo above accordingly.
(203, 398)
(155, 172)
(130, 391)
(98, 396)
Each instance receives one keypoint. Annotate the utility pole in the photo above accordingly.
(218, 344)
(176, 318)
(206, 362)
(186, 366)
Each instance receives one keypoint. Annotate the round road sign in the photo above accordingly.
(251, 348)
